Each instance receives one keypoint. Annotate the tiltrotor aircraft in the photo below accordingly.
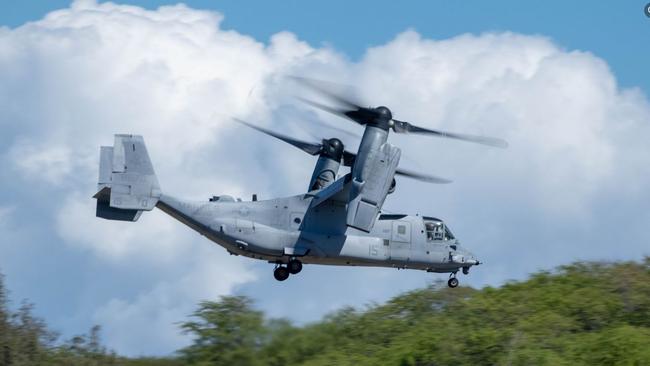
(338, 221)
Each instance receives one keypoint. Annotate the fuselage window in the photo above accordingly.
(401, 229)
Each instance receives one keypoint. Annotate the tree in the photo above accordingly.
(30, 337)
(5, 351)
(227, 332)
(26, 340)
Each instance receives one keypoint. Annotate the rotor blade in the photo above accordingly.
(321, 106)
(360, 115)
(308, 147)
(342, 131)
(421, 177)
(349, 158)
(327, 89)
(405, 127)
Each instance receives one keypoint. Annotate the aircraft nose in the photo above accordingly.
(472, 260)
(465, 258)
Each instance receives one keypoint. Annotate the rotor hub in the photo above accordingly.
(333, 149)
(384, 113)
(381, 117)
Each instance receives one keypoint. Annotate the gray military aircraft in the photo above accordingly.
(338, 221)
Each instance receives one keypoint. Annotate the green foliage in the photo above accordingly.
(227, 332)
(579, 314)
(26, 341)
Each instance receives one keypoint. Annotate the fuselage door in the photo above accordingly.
(401, 231)
(400, 246)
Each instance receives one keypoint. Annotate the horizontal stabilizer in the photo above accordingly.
(105, 211)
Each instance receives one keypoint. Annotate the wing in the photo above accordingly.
(327, 212)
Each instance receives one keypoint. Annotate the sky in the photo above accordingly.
(565, 83)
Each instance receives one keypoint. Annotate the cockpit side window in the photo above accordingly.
(435, 230)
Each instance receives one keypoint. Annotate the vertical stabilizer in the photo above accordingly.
(127, 183)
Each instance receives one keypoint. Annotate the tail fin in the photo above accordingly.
(127, 182)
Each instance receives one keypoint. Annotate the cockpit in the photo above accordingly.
(436, 229)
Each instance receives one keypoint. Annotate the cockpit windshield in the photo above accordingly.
(437, 230)
(448, 234)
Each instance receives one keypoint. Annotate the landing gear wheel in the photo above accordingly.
(465, 270)
(453, 282)
(281, 273)
(295, 266)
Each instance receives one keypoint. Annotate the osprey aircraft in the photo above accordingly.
(337, 221)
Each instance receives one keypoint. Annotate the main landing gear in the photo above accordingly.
(295, 266)
(282, 272)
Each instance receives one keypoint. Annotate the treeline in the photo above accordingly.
(579, 314)
(25, 340)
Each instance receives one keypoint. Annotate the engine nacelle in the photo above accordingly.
(371, 182)
(328, 164)
(324, 173)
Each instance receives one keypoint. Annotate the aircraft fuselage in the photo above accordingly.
(278, 230)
